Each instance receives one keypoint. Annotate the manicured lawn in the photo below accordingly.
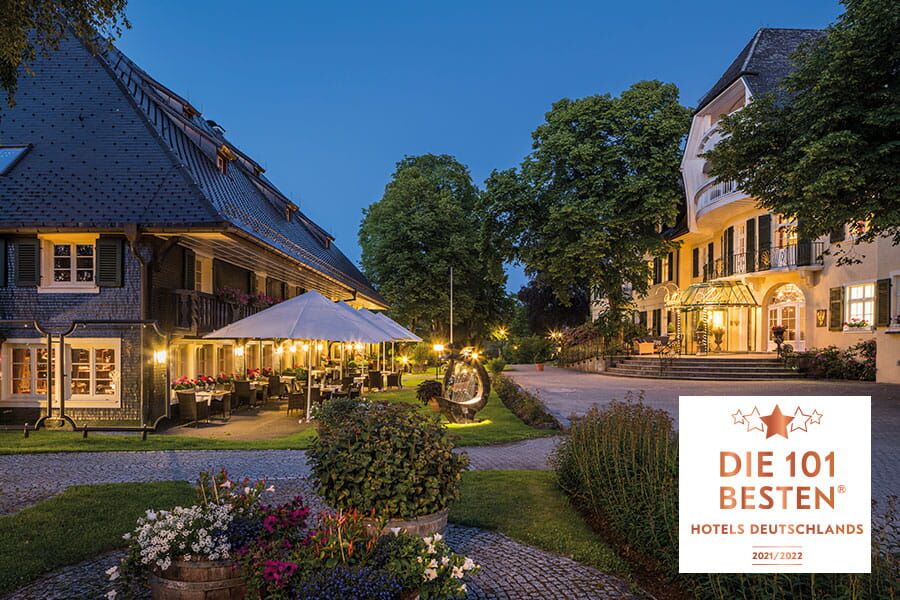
(66, 441)
(528, 506)
(77, 525)
(498, 425)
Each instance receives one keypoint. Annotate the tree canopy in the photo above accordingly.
(429, 219)
(545, 312)
(826, 146)
(586, 206)
(28, 27)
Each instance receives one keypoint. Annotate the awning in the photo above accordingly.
(713, 294)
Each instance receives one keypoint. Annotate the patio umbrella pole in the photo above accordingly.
(309, 380)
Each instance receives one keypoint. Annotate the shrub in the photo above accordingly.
(428, 390)
(331, 412)
(620, 464)
(523, 404)
(390, 458)
(856, 362)
(495, 365)
(532, 349)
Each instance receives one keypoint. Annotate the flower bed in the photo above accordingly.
(524, 405)
(284, 552)
(856, 362)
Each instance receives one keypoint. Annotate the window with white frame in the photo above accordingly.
(861, 303)
(204, 360)
(69, 262)
(94, 368)
(203, 274)
(28, 370)
(224, 359)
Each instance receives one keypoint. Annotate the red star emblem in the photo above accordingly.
(776, 423)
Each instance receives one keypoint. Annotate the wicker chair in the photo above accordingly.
(221, 405)
(243, 395)
(276, 388)
(297, 400)
(189, 410)
(393, 380)
(375, 380)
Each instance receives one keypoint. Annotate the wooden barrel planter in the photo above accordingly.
(198, 580)
(421, 526)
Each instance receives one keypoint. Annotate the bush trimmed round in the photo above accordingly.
(390, 458)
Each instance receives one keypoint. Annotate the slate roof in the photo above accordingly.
(112, 146)
(763, 62)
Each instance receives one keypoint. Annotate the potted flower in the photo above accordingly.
(428, 393)
(253, 374)
(778, 336)
(183, 383)
(223, 378)
(186, 552)
(205, 382)
(856, 323)
(719, 334)
(359, 452)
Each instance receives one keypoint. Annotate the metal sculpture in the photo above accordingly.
(466, 389)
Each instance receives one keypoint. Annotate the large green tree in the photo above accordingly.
(30, 27)
(586, 206)
(826, 146)
(428, 220)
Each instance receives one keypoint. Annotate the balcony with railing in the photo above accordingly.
(803, 254)
(712, 191)
(189, 312)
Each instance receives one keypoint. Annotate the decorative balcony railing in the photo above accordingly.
(803, 254)
(197, 313)
(712, 191)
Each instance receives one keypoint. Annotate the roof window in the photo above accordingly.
(9, 156)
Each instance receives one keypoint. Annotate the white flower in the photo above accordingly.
(127, 536)
(427, 540)
(111, 595)
(226, 484)
(247, 490)
(271, 489)
(468, 564)
(151, 516)
(430, 574)
(462, 588)
(445, 560)
(395, 530)
(113, 573)
(438, 537)
(457, 573)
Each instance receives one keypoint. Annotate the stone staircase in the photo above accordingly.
(702, 367)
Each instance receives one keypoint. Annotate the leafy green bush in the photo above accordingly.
(531, 349)
(522, 404)
(429, 390)
(620, 464)
(856, 362)
(332, 412)
(495, 365)
(390, 458)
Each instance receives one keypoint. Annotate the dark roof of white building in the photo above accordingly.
(112, 146)
(763, 62)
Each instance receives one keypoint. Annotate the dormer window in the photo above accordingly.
(224, 155)
(10, 156)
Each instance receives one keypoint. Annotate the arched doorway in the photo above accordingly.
(787, 307)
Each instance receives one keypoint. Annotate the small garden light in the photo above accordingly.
(238, 350)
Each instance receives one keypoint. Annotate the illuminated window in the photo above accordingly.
(28, 375)
(93, 371)
(861, 303)
(73, 263)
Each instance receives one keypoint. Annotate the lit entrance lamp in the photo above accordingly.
(438, 349)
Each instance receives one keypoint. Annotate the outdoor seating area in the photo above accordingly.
(317, 349)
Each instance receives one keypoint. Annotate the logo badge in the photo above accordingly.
(774, 484)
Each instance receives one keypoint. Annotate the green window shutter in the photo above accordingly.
(2, 262)
(882, 302)
(109, 262)
(750, 246)
(836, 309)
(764, 239)
(837, 235)
(28, 262)
(728, 250)
(695, 262)
(670, 266)
(190, 268)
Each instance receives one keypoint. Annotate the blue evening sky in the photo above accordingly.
(328, 96)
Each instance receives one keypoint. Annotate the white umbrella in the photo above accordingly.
(401, 333)
(310, 316)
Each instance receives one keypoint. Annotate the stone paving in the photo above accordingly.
(566, 393)
(27, 478)
(509, 570)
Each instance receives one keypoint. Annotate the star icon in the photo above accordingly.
(738, 417)
(776, 423)
(815, 418)
(801, 420)
(753, 420)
